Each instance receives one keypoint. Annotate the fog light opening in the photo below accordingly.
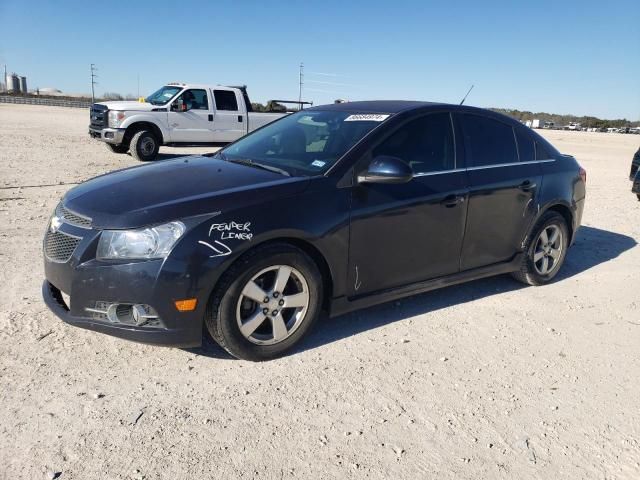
(138, 314)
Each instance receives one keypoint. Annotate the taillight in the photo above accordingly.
(583, 174)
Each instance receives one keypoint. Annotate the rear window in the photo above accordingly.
(526, 147)
(541, 152)
(225, 100)
(488, 141)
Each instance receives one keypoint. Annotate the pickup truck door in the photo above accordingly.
(230, 118)
(196, 123)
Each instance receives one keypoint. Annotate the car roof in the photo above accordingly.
(376, 106)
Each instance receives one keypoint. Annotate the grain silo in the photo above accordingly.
(23, 85)
(13, 84)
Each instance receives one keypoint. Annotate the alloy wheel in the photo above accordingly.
(272, 305)
(548, 250)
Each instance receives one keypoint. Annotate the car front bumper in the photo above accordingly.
(90, 284)
(109, 135)
(176, 337)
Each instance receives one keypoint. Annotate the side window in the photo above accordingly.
(195, 99)
(525, 147)
(488, 141)
(225, 100)
(425, 143)
(541, 152)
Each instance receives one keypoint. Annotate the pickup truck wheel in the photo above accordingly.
(545, 251)
(265, 303)
(117, 148)
(144, 146)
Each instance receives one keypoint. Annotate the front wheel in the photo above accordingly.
(545, 251)
(144, 146)
(117, 148)
(265, 303)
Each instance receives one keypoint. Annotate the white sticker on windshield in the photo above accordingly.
(366, 117)
(318, 163)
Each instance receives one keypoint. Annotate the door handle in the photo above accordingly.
(527, 186)
(210, 118)
(451, 201)
(240, 118)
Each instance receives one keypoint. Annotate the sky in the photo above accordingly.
(568, 57)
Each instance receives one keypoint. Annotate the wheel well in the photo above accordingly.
(566, 213)
(136, 127)
(309, 249)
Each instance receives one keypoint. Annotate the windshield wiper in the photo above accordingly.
(253, 163)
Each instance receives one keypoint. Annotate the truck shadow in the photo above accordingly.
(593, 246)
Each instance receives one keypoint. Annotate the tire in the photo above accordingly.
(532, 270)
(117, 148)
(144, 146)
(638, 195)
(230, 307)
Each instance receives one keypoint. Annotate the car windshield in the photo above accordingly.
(305, 143)
(163, 95)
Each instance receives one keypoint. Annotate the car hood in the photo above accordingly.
(174, 189)
(129, 105)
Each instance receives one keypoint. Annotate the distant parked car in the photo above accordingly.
(635, 164)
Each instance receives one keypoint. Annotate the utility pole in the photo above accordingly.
(300, 86)
(4, 79)
(93, 82)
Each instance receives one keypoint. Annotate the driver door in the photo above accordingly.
(191, 117)
(410, 232)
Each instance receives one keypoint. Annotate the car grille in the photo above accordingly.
(72, 218)
(58, 246)
(98, 116)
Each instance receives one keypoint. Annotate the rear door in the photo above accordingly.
(192, 126)
(405, 233)
(230, 118)
(504, 179)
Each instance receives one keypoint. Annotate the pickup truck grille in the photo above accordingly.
(58, 246)
(98, 118)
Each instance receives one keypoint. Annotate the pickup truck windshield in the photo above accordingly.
(306, 143)
(162, 96)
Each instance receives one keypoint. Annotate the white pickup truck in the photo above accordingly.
(178, 113)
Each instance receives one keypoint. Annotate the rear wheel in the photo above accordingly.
(265, 303)
(144, 146)
(545, 251)
(117, 148)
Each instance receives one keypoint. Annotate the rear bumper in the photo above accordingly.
(177, 337)
(109, 135)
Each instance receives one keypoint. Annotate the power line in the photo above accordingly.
(93, 82)
(301, 82)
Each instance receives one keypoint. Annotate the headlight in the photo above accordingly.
(153, 242)
(115, 118)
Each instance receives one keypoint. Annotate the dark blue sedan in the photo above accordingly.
(333, 208)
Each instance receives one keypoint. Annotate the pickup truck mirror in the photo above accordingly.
(386, 169)
(179, 106)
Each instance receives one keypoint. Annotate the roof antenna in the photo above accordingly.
(465, 97)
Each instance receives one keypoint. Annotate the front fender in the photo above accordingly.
(157, 119)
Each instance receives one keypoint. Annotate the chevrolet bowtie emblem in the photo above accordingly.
(55, 224)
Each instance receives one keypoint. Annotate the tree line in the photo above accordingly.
(559, 120)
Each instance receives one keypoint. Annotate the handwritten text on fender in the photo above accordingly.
(232, 230)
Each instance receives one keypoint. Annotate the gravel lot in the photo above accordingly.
(484, 380)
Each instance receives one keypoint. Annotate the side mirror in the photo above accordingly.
(386, 169)
(179, 106)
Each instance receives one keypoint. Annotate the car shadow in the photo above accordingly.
(593, 246)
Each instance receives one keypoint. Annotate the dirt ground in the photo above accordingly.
(486, 380)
